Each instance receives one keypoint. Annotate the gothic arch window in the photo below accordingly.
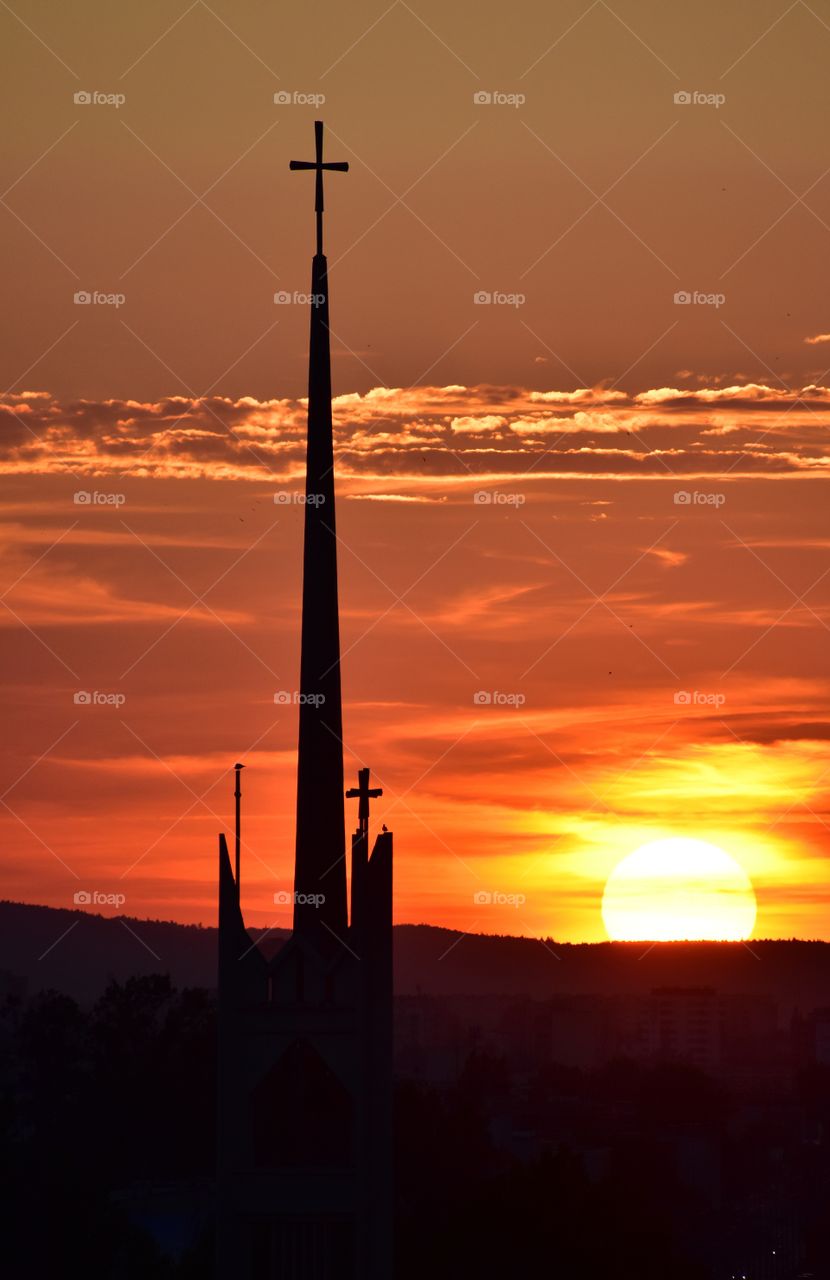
(301, 1113)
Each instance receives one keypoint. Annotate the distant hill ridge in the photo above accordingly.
(78, 952)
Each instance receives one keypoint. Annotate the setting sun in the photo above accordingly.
(678, 889)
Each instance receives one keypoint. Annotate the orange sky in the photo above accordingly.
(581, 595)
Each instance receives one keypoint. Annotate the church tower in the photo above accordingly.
(305, 1039)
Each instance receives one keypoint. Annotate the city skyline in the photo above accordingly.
(583, 565)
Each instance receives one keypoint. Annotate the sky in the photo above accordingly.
(581, 363)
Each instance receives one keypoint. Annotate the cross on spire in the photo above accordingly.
(363, 793)
(317, 164)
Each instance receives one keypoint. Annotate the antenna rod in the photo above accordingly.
(238, 796)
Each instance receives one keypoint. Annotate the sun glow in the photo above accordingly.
(678, 889)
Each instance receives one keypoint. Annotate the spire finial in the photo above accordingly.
(317, 164)
(363, 793)
(238, 843)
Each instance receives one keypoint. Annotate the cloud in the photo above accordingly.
(394, 497)
(61, 597)
(426, 434)
(670, 559)
(473, 425)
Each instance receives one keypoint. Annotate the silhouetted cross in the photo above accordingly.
(363, 793)
(341, 166)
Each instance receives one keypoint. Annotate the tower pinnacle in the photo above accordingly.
(363, 793)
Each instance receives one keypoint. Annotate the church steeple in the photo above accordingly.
(304, 1176)
(320, 866)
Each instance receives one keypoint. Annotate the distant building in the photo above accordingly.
(815, 1033)
(684, 1026)
(12, 986)
(430, 1045)
(577, 1031)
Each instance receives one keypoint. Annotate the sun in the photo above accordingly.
(678, 889)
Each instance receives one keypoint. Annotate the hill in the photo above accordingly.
(78, 952)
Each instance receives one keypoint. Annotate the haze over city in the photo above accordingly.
(580, 348)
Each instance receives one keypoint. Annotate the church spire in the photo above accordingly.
(320, 867)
